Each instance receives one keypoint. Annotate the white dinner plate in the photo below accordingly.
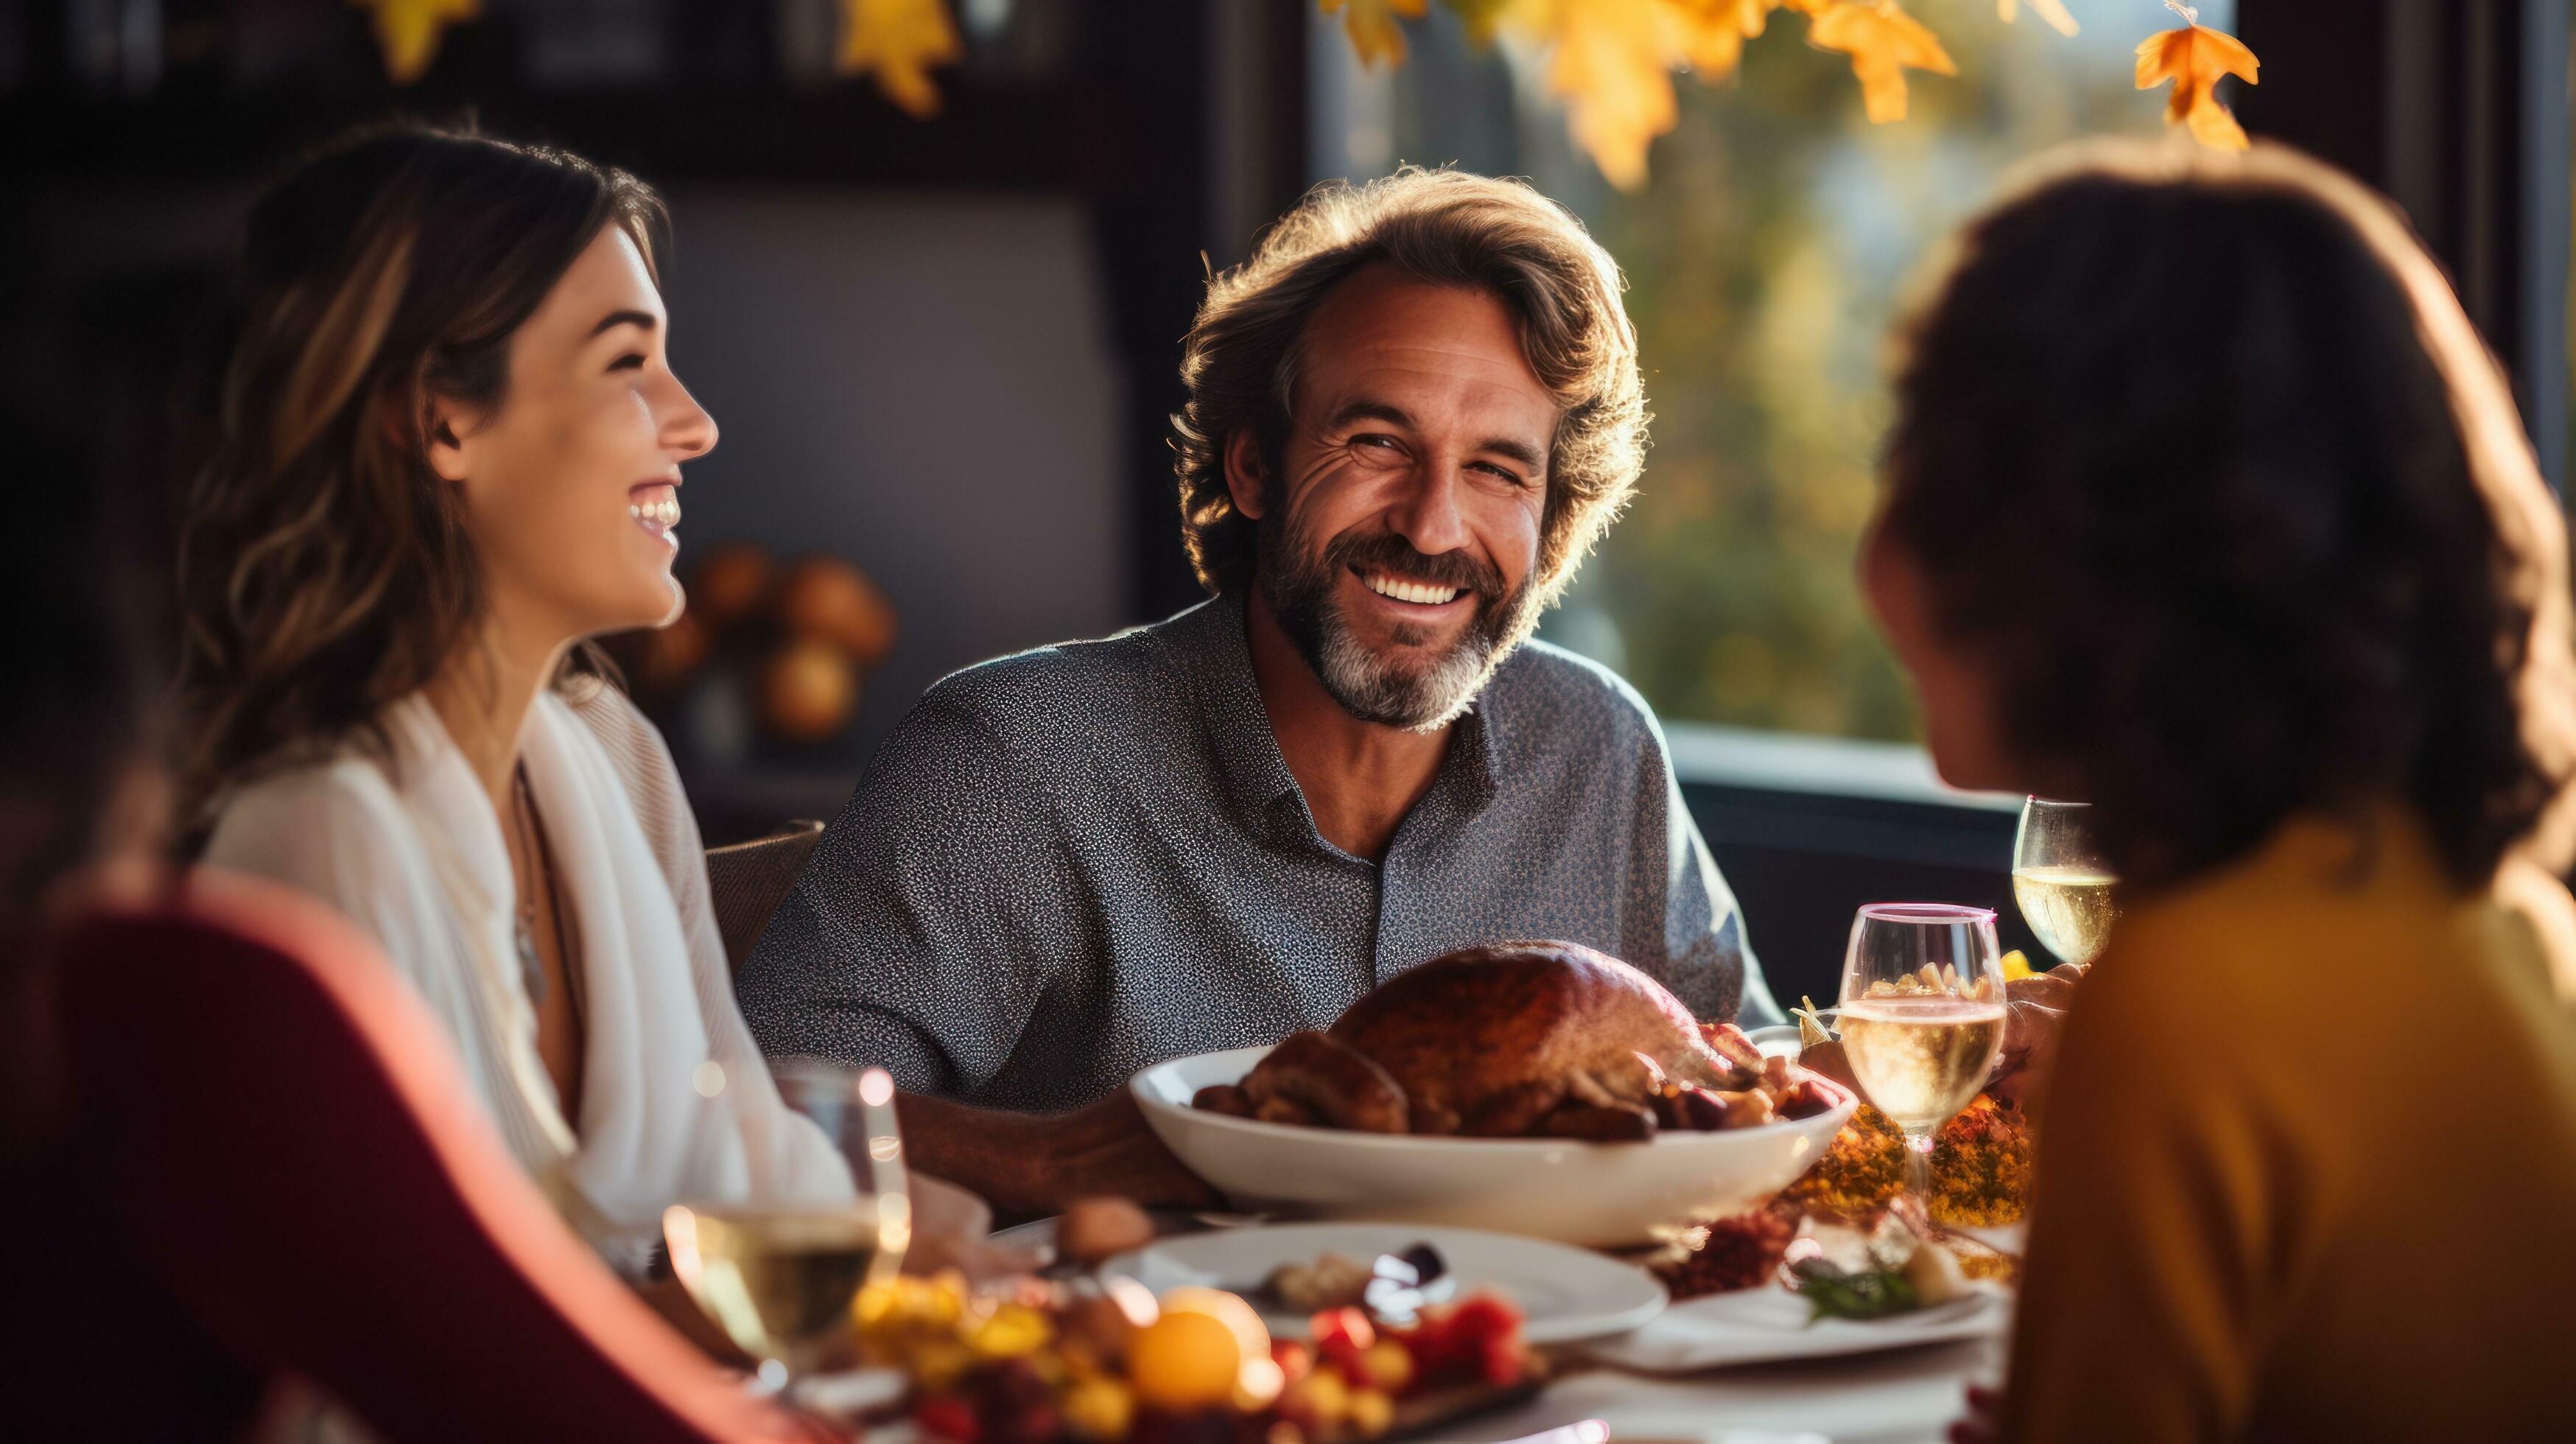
(1769, 1324)
(1563, 1293)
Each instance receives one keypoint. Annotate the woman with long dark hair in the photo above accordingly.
(447, 453)
(2205, 504)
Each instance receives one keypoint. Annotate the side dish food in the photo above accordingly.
(1113, 1364)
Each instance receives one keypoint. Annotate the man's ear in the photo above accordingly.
(1243, 473)
(444, 426)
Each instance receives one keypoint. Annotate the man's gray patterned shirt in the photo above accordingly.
(1076, 862)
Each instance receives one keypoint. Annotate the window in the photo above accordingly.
(1765, 257)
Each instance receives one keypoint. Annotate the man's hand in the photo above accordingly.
(1029, 1165)
(951, 1229)
(2034, 1015)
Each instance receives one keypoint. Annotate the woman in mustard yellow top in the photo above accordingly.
(2205, 504)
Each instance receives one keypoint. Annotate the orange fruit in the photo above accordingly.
(1184, 1362)
(727, 582)
(830, 598)
(808, 690)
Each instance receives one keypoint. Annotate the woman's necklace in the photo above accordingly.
(532, 969)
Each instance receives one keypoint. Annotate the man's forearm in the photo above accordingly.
(1026, 1164)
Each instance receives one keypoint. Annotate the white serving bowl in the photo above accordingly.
(1601, 1195)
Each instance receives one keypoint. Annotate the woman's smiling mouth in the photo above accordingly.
(655, 506)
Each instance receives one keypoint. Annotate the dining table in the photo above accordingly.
(1909, 1395)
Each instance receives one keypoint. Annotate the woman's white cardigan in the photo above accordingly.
(411, 850)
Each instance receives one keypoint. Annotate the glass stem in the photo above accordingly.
(1918, 1172)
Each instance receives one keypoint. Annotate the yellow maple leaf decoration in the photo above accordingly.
(1372, 25)
(899, 40)
(1711, 33)
(408, 31)
(1611, 63)
(2052, 11)
(2194, 58)
(1482, 17)
(1883, 42)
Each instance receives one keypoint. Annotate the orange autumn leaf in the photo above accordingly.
(2052, 11)
(408, 31)
(1375, 33)
(899, 40)
(1481, 17)
(2194, 58)
(1611, 63)
(1883, 42)
(1711, 33)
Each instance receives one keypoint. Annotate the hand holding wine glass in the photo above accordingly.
(1922, 1016)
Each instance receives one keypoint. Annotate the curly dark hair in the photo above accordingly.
(2200, 455)
(1448, 228)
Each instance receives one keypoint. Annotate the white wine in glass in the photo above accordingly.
(2061, 882)
(776, 1265)
(779, 1282)
(1921, 1059)
(1922, 1016)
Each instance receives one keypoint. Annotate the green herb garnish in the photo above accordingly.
(1840, 1293)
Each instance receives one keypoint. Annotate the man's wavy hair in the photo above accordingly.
(1447, 228)
(2201, 455)
(324, 569)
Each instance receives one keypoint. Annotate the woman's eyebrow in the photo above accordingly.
(615, 319)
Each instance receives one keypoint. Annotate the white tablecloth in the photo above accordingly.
(1905, 1397)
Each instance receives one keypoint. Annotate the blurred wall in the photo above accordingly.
(924, 386)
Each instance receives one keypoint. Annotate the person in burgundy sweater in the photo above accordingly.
(238, 1161)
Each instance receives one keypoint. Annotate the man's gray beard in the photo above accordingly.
(1370, 688)
(1422, 701)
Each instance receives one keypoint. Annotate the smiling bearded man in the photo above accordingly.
(1411, 414)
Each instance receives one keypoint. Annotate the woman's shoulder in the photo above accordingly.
(334, 801)
(638, 755)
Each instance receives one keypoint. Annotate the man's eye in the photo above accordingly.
(631, 361)
(1375, 439)
(1503, 472)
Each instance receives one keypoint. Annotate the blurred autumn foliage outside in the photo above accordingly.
(1765, 260)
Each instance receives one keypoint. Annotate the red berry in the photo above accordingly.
(1350, 1324)
(946, 1417)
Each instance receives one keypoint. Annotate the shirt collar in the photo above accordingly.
(1209, 642)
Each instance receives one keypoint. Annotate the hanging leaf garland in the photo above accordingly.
(1610, 60)
(1712, 32)
(898, 41)
(2052, 11)
(408, 31)
(2194, 58)
(1883, 42)
(1373, 28)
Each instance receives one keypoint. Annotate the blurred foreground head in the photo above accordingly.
(2205, 503)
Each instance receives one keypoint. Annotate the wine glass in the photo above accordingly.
(1922, 1017)
(776, 1255)
(2061, 880)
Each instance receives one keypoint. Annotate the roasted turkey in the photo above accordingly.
(1517, 1039)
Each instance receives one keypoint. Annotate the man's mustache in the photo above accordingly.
(1387, 552)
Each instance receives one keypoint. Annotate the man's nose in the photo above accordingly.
(1427, 513)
